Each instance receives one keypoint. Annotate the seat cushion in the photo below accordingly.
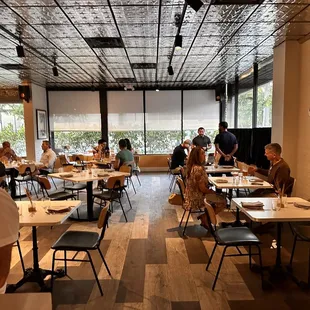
(75, 187)
(106, 195)
(75, 240)
(236, 236)
(61, 195)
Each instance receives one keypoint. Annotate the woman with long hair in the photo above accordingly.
(129, 147)
(197, 185)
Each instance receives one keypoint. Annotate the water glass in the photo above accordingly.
(284, 201)
(46, 203)
(274, 204)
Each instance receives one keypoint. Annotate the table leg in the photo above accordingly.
(34, 274)
(12, 184)
(89, 189)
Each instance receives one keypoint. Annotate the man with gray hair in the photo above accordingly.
(278, 173)
(179, 155)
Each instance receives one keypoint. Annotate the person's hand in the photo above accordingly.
(251, 170)
(227, 157)
(204, 148)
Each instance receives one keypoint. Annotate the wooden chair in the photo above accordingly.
(231, 237)
(82, 241)
(25, 174)
(128, 169)
(181, 186)
(113, 190)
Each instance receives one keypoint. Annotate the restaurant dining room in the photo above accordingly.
(154, 154)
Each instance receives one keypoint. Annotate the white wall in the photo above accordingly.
(303, 138)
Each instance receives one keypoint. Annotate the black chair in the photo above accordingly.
(181, 186)
(82, 241)
(231, 237)
(25, 176)
(301, 232)
(112, 192)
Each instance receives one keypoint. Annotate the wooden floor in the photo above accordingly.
(154, 267)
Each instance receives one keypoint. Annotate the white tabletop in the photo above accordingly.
(26, 301)
(40, 217)
(17, 164)
(221, 169)
(289, 213)
(88, 177)
(246, 183)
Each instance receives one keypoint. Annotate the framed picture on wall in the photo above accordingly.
(42, 124)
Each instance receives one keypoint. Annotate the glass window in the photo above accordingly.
(245, 108)
(264, 105)
(75, 120)
(12, 126)
(163, 121)
(126, 119)
(200, 110)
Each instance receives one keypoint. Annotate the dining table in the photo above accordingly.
(88, 213)
(221, 169)
(56, 213)
(288, 213)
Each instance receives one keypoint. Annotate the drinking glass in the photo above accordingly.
(284, 201)
(46, 203)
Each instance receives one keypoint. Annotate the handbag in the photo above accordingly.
(175, 199)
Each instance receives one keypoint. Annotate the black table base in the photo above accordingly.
(83, 214)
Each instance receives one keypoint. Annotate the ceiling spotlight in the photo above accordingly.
(195, 4)
(20, 50)
(55, 70)
(178, 42)
(170, 70)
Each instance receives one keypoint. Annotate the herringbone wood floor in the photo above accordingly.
(154, 267)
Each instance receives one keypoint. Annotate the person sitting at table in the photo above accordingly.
(48, 158)
(102, 149)
(197, 186)
(6, 152)
(178, 157)
(124, 156)
(129, 146)
(278, 173)
(226, 145)
(8, 235)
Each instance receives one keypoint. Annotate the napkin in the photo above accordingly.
(257, 183)
(59, 209)
(228, 167)
(221, 181)
(304, 205)
(254, 180)
(255, 205)
(66, 175)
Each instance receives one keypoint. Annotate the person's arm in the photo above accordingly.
(5, 262)
(217, 147)
(51, 160)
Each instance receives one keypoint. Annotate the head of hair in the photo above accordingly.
(101, 141)
(5, 143)
(129, 147)
(122, 144)
(187, 141)
(201, 128)
(274, 147)
(224, 125)
(194, 159)
(47, 142)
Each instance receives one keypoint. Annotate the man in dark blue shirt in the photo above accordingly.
(179, 155)
(226, 145)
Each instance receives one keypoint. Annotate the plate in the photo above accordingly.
(59, 209)
(227, 167)
(221, 181)
(66, 175)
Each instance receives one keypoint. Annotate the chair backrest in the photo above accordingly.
(290, 186)
(181, 186)
(211, 217)
(169, 162)
(136, 159)
(115, 182)
(23, 168)
(44, 183)
(126, 169)
(63, 160)
(103, 220)
(67, 168)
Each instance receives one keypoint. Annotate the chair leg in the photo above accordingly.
(182, 218)
(122, 209)
(128, 199)
(172, 182)
(219, 269)
(94, 271)
(105, 263)
(53, 268)
(54, 182)
(260, 264)
(189, 213)
(34, 188)
(293, 250)
(132, 185)
(136, 173)
(210, 258)
(250, 256)
(20, 255)
(65, 259)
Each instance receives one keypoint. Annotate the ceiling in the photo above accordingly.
(219, 41)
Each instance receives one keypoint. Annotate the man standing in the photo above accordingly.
(226, 144)
(7, 152)
(48, 158)
(278, 173)
(8, 235)
(179, 155)
(202, 140)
